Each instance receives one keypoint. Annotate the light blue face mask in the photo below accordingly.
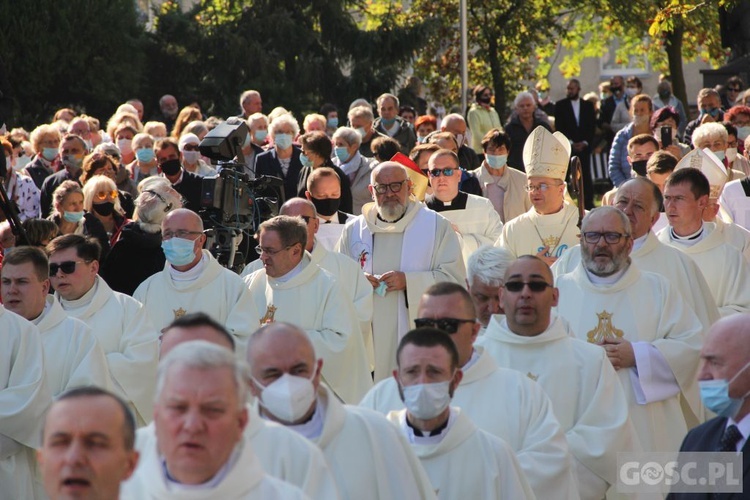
(49, 153)
(260, 135)
(496, 161)
(145, 155)
(332, 122)
(342, 153)
(74, 217)
(720, 155)
(306, 162)
(715, 396)
(743, 133)
(179, 251)
(283, 141)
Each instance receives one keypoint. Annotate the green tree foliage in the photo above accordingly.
(297, 54)
(80, 53)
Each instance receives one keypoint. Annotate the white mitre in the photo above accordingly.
(546, 154)
(710, 165)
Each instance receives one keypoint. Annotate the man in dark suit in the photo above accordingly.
(184, 182)
(576, 118)
(282, 160)
(726, 357)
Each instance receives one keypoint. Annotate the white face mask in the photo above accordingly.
(125, 146)
(460, 139)
(21, 162)
(426, 401)
(731, 154)
(191, 157)
(288, 397)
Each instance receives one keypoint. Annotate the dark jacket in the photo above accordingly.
(38, 171)
(518, 135)
(48, 188)
(267, 163)
(190, 189)
(136, 256)
(405, 135)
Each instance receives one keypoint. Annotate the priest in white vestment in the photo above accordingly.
(500, 401)
(199, 419)
(118, 321)
(504, 186)
(194, 281)
(368, 457)
(473, 217)
(283, 453)
(324, 192)
(24, 398)
(686, 196)
(640, 199)
(485, 273)
(588, 401)
(549, 228)
(403, 248)
(72, 355)
(346, 271)
(649, 335)
(735, 201)
(461, 460)
(291, 288)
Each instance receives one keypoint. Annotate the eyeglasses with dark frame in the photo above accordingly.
(259, 250)
(534, 286)
(394, 187)
(67, 267)
(612, 238)
(530, 188)
(448, 325)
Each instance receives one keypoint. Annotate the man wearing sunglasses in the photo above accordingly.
(549, 228)
(118, 321)
(502, 402)
(402, 247)
(589, 400)
(473, 217)
(194, 281)
(649, 334)
(302, 296)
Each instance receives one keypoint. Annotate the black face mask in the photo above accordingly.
(640, 167)
(484, 99)
(104, 209)
(326, 207)
(171, 167)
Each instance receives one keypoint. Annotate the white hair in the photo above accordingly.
(349, 135)
(385, 96)
(709, 132)
(522, 96)
(203, 355)
(361, 112)
(360, 102)
(246, 94)
(255, 117)
(280, 121)
(488, 265)
(156, 200)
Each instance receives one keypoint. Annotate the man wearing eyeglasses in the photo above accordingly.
(194, 281)
(549, 228)
(302, 296)
(589, 400)
(502, 402)
(402, 247)
(473, 217)
(649, 335)
(118, 321)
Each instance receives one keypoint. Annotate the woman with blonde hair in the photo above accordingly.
(101, 201)
(187, 114)
(138, 254)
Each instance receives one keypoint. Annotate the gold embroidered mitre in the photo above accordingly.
(710, 165)
(546, 154)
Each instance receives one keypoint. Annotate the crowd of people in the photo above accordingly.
(429, 315)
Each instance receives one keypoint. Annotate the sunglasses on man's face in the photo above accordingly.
(534, 286)
(67, 267)
(448, 325)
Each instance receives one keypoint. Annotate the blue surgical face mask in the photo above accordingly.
(74, 217)
(720, 155)
(342, 153)
(145, 155)
(306, 162)
(743, 133)
(387, 122)
(496, 161)
(283, 141)
(715, 396)
(332, 122)
(260, 135)
(362, 132)
(179, 251)
(49, 153)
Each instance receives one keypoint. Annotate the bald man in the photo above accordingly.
(194, 281)
(284, 454)
(724, 380)
(403, 248)
(368, 456)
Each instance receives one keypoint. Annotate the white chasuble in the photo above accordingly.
(529, 233)
(130, 342)
(314, 301)
(423, 246)
(586, 396)
(469, 462)
(642, 308)
(218, 292)
(514, 408)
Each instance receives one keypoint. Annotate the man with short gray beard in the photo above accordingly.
(649, 335)
(402, 247)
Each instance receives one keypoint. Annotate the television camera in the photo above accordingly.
(233, 203)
